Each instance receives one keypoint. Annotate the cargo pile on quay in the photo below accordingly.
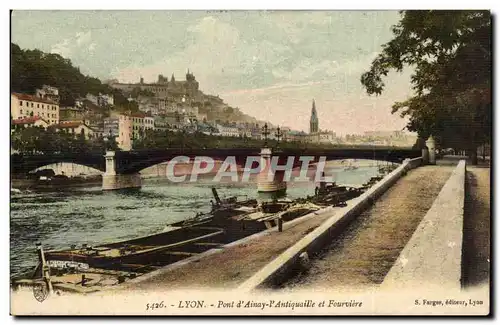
(88, 269)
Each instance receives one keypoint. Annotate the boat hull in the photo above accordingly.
(141, 251)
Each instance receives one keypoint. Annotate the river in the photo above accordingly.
(87, 215)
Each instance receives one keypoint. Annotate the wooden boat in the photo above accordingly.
(386, 169)
(372, 181)
(140, 251)
(333, 194)
(274, 207)
(225, 208)
(274, 211)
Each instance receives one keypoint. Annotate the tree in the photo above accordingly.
(450, 52)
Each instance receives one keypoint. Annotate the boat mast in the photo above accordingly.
(216, 196)
(45, 268)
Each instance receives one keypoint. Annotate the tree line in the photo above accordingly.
(37, 140)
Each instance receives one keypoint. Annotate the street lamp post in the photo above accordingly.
(278, 134)
(265, 132)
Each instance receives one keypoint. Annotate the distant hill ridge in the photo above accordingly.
(31, 69)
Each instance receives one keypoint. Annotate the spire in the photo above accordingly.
(313, 123)
(189, 76)
(173, 78)
(314, 114)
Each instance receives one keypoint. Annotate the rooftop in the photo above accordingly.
(139, 115)
(69, 108)
(28, 120)
(70, 125)
(33, 98)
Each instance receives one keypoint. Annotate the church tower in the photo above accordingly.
(313, 124)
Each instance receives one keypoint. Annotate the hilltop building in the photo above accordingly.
(162, 87)
(48, 92)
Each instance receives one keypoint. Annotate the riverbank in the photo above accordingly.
(35, 184)
(235, 263)
(362, 255)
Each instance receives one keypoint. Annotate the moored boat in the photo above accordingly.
(86, 269)
(139, 251)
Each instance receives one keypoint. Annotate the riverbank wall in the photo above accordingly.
(294, 258)
(433, 255)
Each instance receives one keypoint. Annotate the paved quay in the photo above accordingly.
(235, 264)
(361, 256)
(364, 253)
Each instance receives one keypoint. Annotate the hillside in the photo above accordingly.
(30, 69)
(217, 109)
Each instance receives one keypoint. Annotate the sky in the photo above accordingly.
(269, 64)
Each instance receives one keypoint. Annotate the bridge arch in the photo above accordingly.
(22, 164)
(70, 169)
(134, 162)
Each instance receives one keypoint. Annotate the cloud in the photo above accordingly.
(83, 38)
(216, 51)
(225, 56)
(68, 46)
(63, 48)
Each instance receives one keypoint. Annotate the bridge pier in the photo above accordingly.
(111, 180)
(275, 186)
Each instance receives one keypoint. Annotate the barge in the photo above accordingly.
(87, 269)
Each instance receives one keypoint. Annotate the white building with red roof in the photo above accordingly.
(30, 121)
(23, 106)
(76, 128)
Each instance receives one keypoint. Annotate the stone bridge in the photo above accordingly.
(130, 163)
